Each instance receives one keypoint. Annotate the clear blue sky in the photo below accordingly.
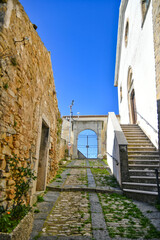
(82, 38)
(88, 137)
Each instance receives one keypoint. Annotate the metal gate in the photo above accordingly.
(87, 144)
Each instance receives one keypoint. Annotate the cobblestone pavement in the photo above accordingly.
(85, 202)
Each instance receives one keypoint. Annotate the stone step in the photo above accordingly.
(144, 179)
(147, 160)
(134, 134)
(140, 156)
(137, 142)
(144, 148)
(133, 131)
(141, 172)
(137, 139)
(78, 166)
(143, 167)
(131, 140)
(144, 161)
(141, 195)
(140, 186)
(129, 125)
(155, 193)
(140, 145)
(143, 158)
(108, 190)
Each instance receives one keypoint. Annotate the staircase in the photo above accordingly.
(143, 159)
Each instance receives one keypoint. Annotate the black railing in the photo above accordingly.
(117, 163)
(158, 188)
(147, 122)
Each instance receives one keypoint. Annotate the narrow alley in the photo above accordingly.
(84, 201)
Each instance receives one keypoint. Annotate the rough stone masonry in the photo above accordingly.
(30, 122)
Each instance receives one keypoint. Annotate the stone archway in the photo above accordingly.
(79, 126)
(87, 144)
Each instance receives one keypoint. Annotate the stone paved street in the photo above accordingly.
(84, 201)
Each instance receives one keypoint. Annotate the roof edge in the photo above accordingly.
(88, 116)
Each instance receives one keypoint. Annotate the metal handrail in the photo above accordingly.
(117, 163)
(147, 122)
(158, 188)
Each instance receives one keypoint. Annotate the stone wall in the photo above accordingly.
(63, 151)
(28, 102)
(156, 31)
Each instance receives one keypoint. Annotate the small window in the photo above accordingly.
(126, 33)
(144, 6)
(129, 80)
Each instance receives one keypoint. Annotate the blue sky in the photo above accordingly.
(88, 137)
(81, 36)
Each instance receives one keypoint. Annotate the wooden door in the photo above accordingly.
(133, 107)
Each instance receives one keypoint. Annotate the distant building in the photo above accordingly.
(95, 123)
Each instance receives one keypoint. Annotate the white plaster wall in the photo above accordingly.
(116, 138)
(110, 143)
(139, 54)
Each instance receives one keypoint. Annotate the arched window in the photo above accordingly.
(144, 6)
(126, 33)
(129, 80)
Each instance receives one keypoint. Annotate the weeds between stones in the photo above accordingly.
(124, 219)
(103, 178)
(58, 174)
(36, 211)
(105, 161)
(40, 199)
(95, 163)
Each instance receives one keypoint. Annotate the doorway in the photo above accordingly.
(43, 156)
(133, 107)
(131, 98)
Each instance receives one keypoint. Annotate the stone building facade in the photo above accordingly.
(30, 121)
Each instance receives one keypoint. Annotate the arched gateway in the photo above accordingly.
(96, 123)
(87, 144)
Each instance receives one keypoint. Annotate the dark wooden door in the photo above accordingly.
(133, 107)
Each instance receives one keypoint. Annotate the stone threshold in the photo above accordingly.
(88, 159)
(85, 189)
(100, 167)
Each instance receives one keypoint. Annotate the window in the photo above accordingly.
(126, 33)
(129, 81)
(144, 6)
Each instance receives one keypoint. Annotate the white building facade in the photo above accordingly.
(135, 74)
